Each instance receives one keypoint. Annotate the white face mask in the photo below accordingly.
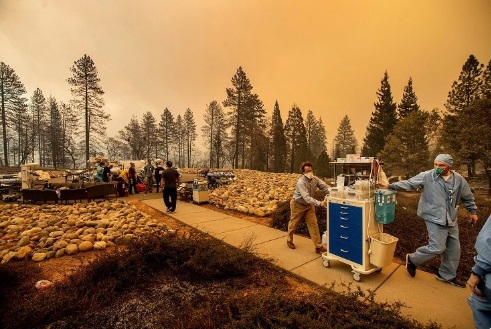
(309, 175)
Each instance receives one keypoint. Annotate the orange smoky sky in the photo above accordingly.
(325, 56)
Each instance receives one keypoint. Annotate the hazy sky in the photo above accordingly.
(326, 56)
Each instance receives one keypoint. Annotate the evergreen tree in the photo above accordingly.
(255, 132)
(319, 140)
(295, 136)
(179, 140)
(467, 134)
(39, 115)
(133, 135)
(345, 141)
(149, 130)
(167, 132)
(89, 101)
(486, 82)
(382, 121)
(464, 91)
(409, 102)
(55, 130)
(278, 140)
(190, 134)
(246, 116)
(316, 135)
(69, 132)
(467, 88)
(323, 166)
(214, 133)
(406, 150)
(11, 100)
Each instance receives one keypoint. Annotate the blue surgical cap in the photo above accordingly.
(447, 158)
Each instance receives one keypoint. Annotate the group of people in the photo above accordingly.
(443, 190)
(103, 172)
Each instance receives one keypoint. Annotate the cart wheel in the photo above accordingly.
(326, 263)
(378, 270)
(356, 277)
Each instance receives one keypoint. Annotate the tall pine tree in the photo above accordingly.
(214, 133)
(382, 121)
(296, 140)
(39, 115)
(190, 135)
(11, 99)
(278, 140)
(88, 100)
(167, 132)
(467, 88)
(409, 102)
(345, 141)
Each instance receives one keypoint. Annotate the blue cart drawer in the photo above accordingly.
(347, 251)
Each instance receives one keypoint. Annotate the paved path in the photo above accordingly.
(425, 297)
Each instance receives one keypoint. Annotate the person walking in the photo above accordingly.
(443, 189)
(133, 179)
(303, 205)
(479, 281)
(159, 170)
(148, 170)
(169, 183)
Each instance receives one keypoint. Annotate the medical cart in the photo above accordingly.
(350, 225)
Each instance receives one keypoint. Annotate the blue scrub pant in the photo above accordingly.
(442, 240)
(481, 306)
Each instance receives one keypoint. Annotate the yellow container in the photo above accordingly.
(382, 248)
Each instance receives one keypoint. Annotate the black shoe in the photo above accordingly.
(320, 250)
(171, 211)
(290, 244)
(410, 267)
(453, 282)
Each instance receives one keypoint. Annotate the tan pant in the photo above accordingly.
(297, 211)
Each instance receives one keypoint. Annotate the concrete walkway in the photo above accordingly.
(425, 297)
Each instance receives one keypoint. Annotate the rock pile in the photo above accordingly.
(41, 232)
(255, 192)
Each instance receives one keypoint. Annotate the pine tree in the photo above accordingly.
(89, 101)
(39, 115)
(214, 133)
(167, 132)
(467, 88)
(409, 102)
(179, 140)
(406, 151)
(190, 134)
(345, 141)
(295, 136)
(69, 132)
(246, 116)
(55, 132)
(11, 99)
(133, 135)
(382, 121)
(278, 140)
(323, 167)
(149, 130)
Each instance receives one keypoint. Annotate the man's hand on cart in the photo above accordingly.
(324, 203)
